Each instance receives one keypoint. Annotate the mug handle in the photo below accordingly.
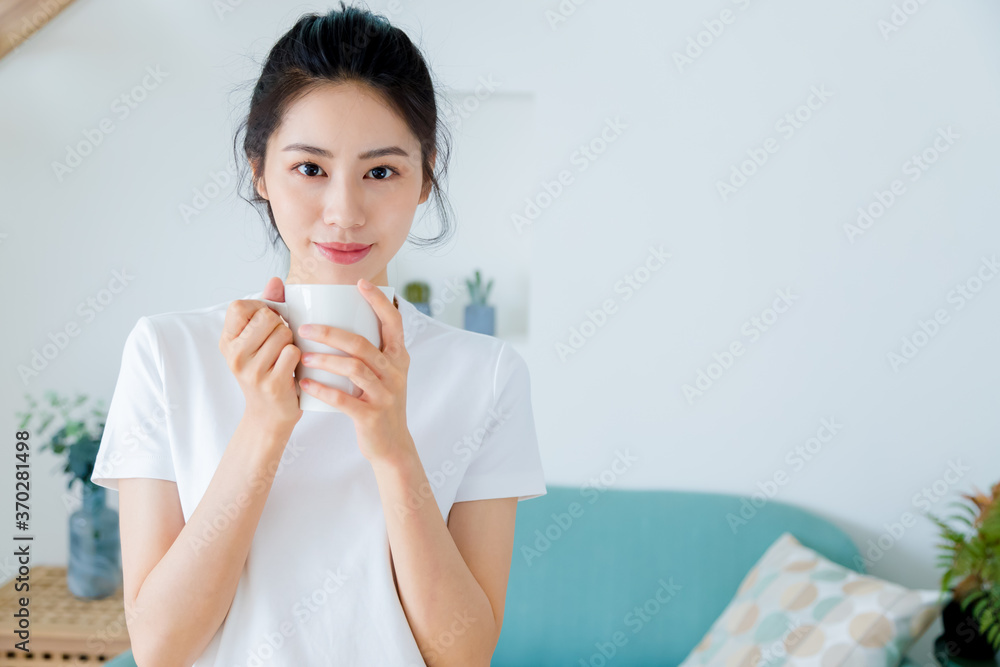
(282, 309)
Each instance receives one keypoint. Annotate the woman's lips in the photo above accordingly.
(331, 252)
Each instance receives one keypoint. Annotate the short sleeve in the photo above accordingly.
(135, 442)
(508, 462)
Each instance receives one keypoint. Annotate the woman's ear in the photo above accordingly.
(258, 184)
(425, 191)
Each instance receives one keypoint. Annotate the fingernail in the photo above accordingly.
(365, 284)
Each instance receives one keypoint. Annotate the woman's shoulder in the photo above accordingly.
(422, 331)
(201, 325)
(460, 355)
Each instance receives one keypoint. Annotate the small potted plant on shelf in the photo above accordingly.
(479, 316)
(970, 552)
(418, 293)
(68, 427)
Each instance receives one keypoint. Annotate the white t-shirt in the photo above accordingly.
(317, 587)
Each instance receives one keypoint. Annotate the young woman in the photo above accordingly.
(255, 534)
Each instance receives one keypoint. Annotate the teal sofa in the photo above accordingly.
(584, 559)
(122, 660)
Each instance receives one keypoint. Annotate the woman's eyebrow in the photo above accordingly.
(367, 155)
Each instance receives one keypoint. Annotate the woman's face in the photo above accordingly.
(326, 186)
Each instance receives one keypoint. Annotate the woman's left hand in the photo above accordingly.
(379, 413)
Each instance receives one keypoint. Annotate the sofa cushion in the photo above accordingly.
(585, 586)
(795, 607)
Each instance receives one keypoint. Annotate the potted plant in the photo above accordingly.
(419, 294)
(68, 427)
(970, 552)
(479, 316)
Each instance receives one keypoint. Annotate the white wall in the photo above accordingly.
(655, 184)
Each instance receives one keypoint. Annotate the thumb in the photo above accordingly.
(274, 290)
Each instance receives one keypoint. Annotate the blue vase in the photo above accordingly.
(95, 569)
(423, 307)
(479, 318)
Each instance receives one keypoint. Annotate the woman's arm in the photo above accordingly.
(439, 593)
(180, 578)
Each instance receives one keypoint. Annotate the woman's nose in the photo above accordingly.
(344, 202)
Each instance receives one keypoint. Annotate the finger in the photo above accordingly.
(274, 290)
(260, 326)
(338, 399)
(288, 359)
(390, 319)
(353, 344)
(239, 313)
(350, 367)
(269, 351)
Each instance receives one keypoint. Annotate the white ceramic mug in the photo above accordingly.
(341, 306)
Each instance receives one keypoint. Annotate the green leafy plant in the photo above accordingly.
(970, 552)
(66, 426)
(417, 292)
(476, 291)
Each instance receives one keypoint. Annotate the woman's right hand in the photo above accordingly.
(260, 353)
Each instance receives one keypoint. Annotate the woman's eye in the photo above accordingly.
(382, 170)
(380, 173)
(307, 165)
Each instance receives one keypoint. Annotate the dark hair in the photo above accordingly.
(349, 45)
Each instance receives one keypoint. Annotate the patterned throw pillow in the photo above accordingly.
(796, 608)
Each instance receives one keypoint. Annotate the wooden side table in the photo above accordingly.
(65, 630)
